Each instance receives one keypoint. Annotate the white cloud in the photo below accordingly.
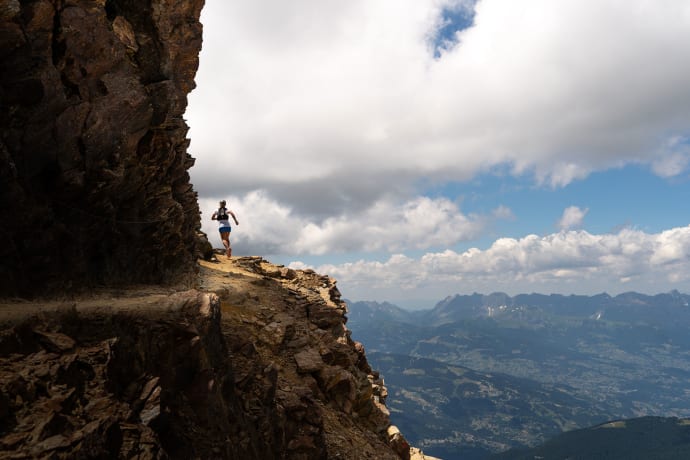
(673, 157)
(321, 96)
(575, 260)
(267, 227)
(503, 212)
(572, 218)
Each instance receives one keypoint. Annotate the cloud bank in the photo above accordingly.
(569, 261)
(343, 99)
(627, 260)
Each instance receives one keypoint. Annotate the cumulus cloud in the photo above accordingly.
(268, 227)
(585, 262)
(297, 98)
(673, 157)
(572, 218)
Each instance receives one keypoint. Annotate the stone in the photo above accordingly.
(324, 315)
(309, 361)
(49, 444)
(12, 440)
(274, 333)
(340, 354)
(55, 341)
(417, 454)
(398, 442)
(362, 363)
(379, 417)
(339, 386)
(271, 271)
(288, 273)
(125, 33)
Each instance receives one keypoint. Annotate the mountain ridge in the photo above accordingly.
(460, 306)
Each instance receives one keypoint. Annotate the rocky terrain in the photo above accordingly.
(93, 151)
(255, 363)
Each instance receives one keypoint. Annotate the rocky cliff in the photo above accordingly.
(93, 150)
(255, 364)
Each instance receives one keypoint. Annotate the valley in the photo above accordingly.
(481, 374)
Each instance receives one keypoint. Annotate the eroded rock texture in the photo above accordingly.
(143, 383)
(93, 151)
(262, 368)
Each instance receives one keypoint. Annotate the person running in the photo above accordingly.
(222, 215)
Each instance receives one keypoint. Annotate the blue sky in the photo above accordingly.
(454, 18)
(414, 149)
(615, 198)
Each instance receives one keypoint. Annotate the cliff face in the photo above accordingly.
(93, 150)
(255, 364)
(261, 367)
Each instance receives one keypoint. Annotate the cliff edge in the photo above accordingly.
(256, 363)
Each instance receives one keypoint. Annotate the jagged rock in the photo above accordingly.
(110, 383)
(417, 454)
(154, 377)
(339, 386)
(324, 315)
(93, 148)
(379, 390)
(309, 361)
(274, 333)
(54, 341)
(362, 363)
(288, 273)
(398, 442)
(339, 354)
(379, 418)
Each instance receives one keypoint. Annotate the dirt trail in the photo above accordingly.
(213, 276)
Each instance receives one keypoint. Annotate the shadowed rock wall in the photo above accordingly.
(93, 151)
(145, 383)
(264, 369)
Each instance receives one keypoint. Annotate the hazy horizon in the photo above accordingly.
(426, 304)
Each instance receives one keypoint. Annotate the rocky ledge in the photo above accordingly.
(256, 363)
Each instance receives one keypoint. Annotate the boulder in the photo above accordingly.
(309, 361)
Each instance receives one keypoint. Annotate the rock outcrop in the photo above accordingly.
(93, 151)
(255, 364)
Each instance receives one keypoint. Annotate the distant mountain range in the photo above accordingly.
(479, 374)
(654, 309)
(660, 309)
